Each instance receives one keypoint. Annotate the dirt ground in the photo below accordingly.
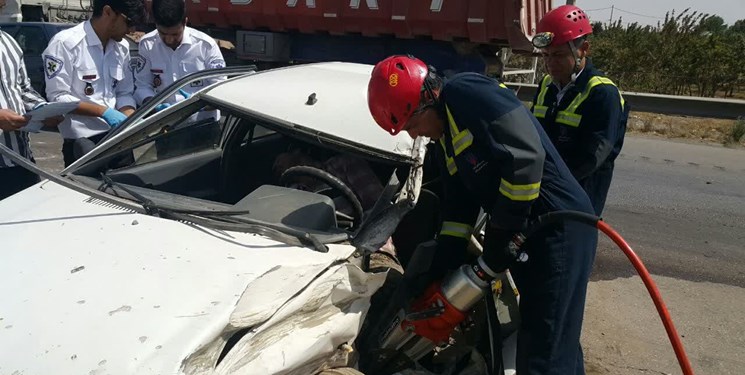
(623, 335)
(697, 129)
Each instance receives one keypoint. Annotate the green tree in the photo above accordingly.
(713, 24)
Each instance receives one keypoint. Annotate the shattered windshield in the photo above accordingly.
(201, 157)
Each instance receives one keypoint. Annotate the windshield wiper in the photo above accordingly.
(223, 219)
(153, 209)
(66, 182)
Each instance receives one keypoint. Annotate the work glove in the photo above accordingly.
(161, 106)
(183, 93)
(498, 254)
(450, 254)
(113, 117)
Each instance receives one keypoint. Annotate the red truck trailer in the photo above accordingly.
(450, 34)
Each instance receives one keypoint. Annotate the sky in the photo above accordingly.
(651, 11)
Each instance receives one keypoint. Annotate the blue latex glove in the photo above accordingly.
(161, 106)
(185, 94)
(113, 117)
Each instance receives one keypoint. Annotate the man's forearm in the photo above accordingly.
(128, 111)
(90, 109)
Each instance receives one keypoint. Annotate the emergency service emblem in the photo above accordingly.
(476, 164)
(52, 66)
(137, 63)
(393, 80)
(217, 64)
(156, 77)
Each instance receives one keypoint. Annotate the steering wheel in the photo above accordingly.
(332, 181)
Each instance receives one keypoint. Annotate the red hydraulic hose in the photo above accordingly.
(667, 321)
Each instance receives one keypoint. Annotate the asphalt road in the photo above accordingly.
(682, 208)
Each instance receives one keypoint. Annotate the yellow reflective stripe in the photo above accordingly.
(544, 89)
(607, 81)
(568, 118)
(449, 162)
(502, 85)
(452, 168)
(522, 193)
(453, 127)
(455, 229)
(594, 81)
(462, 141)
(540, 111)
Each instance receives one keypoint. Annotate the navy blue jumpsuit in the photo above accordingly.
(587, 127)
(499, 158)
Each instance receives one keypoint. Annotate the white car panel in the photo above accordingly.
(90, 288)
(340, 110)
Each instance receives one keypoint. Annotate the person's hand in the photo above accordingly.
(498, 255)
(183, 93)
(161, 106)
(52, 122)
(113, 117)
(10, 120)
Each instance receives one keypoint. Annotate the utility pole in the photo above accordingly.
(570, 2)
(612, 7)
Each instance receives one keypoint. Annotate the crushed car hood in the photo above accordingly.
(90, 288)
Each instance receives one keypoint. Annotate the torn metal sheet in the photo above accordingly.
(306, 333)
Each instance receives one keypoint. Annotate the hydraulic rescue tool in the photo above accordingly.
(430, 320)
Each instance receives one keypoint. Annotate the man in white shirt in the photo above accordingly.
(171, 52)
(90, 63)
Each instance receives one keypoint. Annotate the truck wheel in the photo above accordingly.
(340, 371)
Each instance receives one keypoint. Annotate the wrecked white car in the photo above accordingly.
(173, 247)
(212, 237)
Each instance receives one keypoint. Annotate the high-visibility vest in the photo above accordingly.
(569, 116)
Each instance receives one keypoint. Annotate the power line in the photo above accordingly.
(593, 10)
(637, 14)
(623, 11)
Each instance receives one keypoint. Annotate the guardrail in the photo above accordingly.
(664, 104)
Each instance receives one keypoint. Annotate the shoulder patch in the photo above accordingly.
(137, 63)
(52, 66)
(217, 64)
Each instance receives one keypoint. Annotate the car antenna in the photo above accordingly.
(311, 99)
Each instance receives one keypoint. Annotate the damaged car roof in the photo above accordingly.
(334, 102)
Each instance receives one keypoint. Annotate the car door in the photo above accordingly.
(186, 158)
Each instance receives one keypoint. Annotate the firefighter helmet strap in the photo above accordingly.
(577, 60)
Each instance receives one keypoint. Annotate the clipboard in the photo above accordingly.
(46, 111)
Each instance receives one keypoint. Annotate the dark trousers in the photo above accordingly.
(74, 149)
(552, 286)
(597, 185)
(15, 179)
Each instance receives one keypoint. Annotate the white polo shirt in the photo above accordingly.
(158, 66)
(77, 68)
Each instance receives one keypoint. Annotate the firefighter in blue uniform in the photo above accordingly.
(497, 157)
(582, 111)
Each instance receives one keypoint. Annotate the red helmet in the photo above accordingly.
(565, 23)
(394, 91)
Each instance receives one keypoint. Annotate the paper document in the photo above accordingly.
(46, 111)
